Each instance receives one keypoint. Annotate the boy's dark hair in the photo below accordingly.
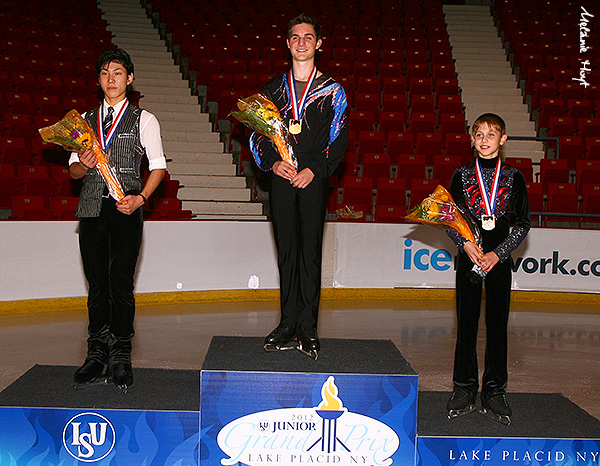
(302, 18)
(118, 55)
(492, 120)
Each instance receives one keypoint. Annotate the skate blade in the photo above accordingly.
(455, 413)
(273, 348)
(495, 417)
(311, 354)
(93, 383)
(123, 388)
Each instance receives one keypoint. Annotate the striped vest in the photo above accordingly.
(125, 155)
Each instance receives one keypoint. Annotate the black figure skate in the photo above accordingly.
(280, 339)
(461, 403)
(496, 407)
(308, 342)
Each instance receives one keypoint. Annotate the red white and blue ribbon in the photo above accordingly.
(489, 200)
(298, 106)
(105, 139)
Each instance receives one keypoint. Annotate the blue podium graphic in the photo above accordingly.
(255, 418)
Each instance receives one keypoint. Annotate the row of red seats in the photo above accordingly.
(563, 90)
(390, 199)
(63, 208)
(427, 142)
(559, 107)
(563, 198)
(45, 86)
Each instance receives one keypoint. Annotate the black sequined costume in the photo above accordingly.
(511, 199)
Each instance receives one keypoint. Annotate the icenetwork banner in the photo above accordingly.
(408, 256)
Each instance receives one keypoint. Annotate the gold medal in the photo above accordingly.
(295, 126)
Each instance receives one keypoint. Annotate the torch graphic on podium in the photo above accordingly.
(330, 409)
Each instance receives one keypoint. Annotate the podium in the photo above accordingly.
(356, 404)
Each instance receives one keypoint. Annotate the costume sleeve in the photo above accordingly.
(324, 167)
(263, 150)
(520, 204)
(456, 190)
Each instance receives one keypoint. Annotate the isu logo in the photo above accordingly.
(89, 437)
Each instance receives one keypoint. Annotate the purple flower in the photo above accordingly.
(74, 134)
(448, 212)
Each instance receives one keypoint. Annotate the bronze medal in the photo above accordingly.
(488, 222)
(295, 126)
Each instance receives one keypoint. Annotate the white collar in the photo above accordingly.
(117, 107)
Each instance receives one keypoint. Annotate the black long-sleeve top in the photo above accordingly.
(322, 142)
(512, 197)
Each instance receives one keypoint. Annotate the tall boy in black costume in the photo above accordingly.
(110, 232)
(314, 107)
(489, 190)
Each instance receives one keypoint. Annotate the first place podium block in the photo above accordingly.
(355, 405)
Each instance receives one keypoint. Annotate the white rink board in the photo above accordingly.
(409, 256)
(41, 259)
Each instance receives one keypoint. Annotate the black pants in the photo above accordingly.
(468, 306)
(110, 246)
(298, 217)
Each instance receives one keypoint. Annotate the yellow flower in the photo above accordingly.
(433, 210)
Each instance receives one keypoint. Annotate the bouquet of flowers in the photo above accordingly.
(439, 208)
(74, 133)
(261, 115)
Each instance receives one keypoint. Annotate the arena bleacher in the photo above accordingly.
(408, 126)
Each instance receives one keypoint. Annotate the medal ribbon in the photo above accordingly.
(489, 201)
(298, 107)
(106, 138)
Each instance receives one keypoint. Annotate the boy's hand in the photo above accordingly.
(486, 261)
(489, 260)
(303, 179)
(129, 204)
(284, 170)
(88, 158)
(474, 252)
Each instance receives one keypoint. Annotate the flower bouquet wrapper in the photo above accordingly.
(74, 133)
(260, 114)
(440, 209)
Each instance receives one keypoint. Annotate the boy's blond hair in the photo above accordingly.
(492, 120)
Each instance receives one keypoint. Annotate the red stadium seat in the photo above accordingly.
(30, 208)
(391, 191)
(587, 172)
(385, 213)
(420, 189)
(554, 171)
(444, 167)
(562, 198)
(400, 142)
(411, 166)
(376, 165)
(392, 122)
(362, 120)
(357, 190)
(524, 165)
